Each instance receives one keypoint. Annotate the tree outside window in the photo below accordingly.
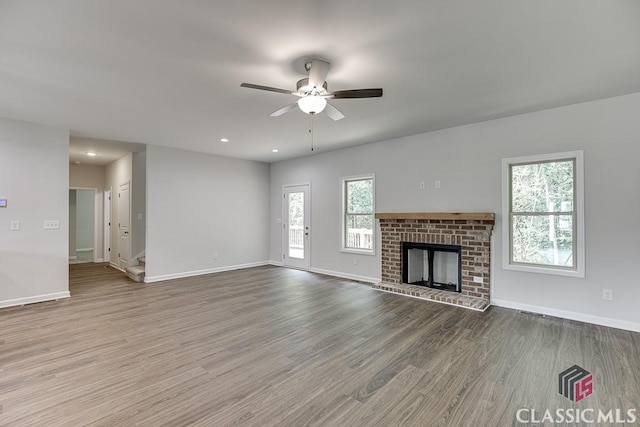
(544, 213)
(358, 214)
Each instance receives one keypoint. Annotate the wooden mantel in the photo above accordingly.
(476, 216)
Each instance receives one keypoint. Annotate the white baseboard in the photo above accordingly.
(116, 266)
(571, 315)
(73, 257)
(151, 279)
(334, 273)
(345, 275)
(84, 250)
(34, 299)
(99, 260)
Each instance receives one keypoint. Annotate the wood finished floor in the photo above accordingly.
(269, 346)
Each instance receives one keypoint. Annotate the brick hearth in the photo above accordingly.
(471, 231)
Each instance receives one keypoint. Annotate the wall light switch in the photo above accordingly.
(437, 184)
(15, 225)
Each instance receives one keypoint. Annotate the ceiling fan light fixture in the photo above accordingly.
(312, 104)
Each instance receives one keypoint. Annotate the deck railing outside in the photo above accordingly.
(358, 238)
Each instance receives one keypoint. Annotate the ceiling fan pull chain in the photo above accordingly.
(311, 131)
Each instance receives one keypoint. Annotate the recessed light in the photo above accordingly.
(224, 139)
(91, 153)
(275, 150)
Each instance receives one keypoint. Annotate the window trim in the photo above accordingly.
(343, 214)
(579, 230)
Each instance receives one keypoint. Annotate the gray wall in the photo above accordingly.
(138, 205)
(33, 261)
(467, 162)
(199, 205)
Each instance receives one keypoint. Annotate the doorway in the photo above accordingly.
(82, 223)
(296, 226)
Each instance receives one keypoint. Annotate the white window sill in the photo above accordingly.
(545, 270)
(358, 251)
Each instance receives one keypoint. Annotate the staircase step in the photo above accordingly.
(135, 272)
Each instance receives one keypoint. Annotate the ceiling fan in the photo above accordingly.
(313, 92)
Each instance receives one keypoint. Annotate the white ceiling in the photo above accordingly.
(169, 72)
(105, 151)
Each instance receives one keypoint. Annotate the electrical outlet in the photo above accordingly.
(51, 224)
(422, 185)
(437, 184)
(607, 294)
(215, 255)
(355, 260)
(15, 225)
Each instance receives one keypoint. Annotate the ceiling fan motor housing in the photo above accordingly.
(304, 88)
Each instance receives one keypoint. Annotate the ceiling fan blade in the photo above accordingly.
(318, 72)
(267, 88)
(357, 93)
(284, 109)
(333, 112)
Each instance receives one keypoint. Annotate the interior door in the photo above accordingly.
(296, 227)
(107, 225)
(124, 222)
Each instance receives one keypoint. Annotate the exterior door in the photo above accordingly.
(296, 227)
(124, 222)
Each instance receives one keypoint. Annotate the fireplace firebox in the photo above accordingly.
(432, 265)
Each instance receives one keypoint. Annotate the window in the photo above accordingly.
(358, 207)
(543, 212)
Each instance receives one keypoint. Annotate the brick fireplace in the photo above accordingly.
(470, 231)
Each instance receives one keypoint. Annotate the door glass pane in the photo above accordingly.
(296, 225)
